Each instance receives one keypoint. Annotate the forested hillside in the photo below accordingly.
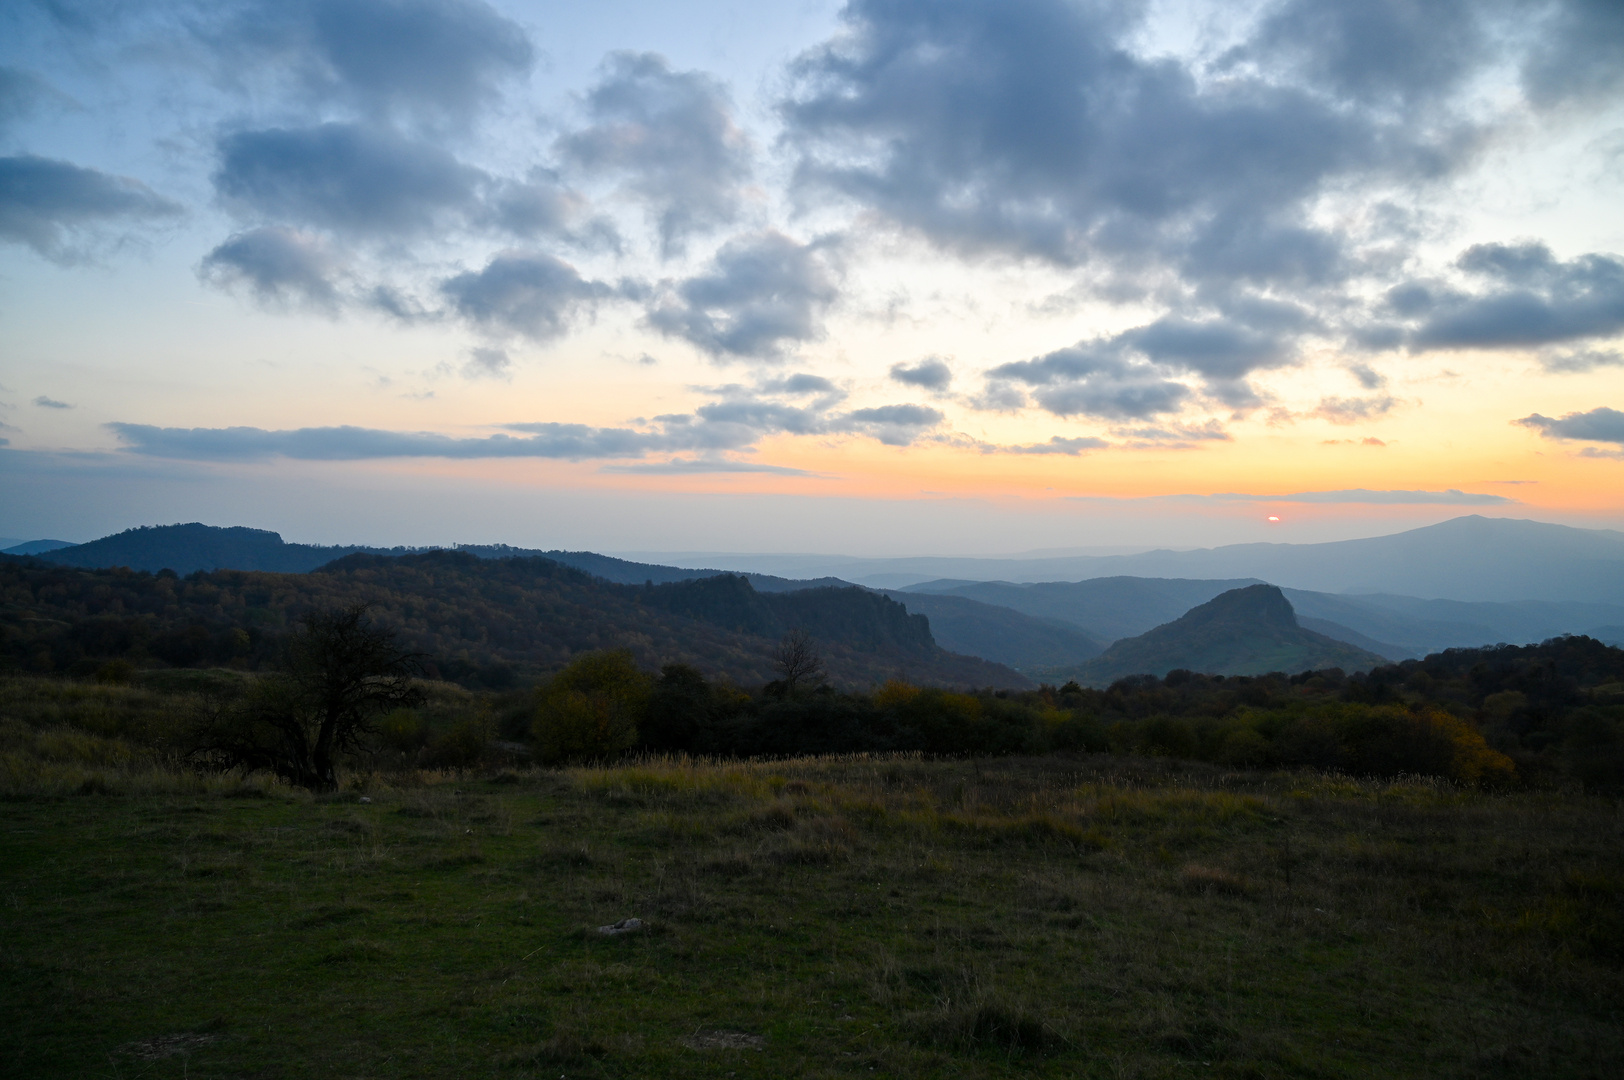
(480, 622)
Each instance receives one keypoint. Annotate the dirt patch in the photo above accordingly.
(724, 1040)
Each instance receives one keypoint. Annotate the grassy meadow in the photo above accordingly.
(1082, 915)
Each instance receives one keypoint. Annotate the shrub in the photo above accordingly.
(591, 709)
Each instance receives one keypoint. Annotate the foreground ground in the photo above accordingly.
(1082, 916)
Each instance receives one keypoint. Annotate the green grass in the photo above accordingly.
(825, 917)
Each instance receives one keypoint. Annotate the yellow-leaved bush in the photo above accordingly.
(590, 711)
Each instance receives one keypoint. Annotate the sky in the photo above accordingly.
(883, 278)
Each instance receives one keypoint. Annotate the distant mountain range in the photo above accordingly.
(1246, 631)
(1469, 558)
(1045, 626)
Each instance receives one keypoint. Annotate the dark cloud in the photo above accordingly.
(350, 178)
(1218, 348)
(801, 383)
(434, 60)
(671, 133)
(931, 373)
(1097, 379)
(51, 403)
(1529, 298)
(50, 205)
(1396, 53)
(279, 265)
(526, 293)
(1598, 425)
(1032, 128)
(762, 295)
(1579, 53)
(893, 425)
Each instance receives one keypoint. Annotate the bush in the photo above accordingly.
(591, 710)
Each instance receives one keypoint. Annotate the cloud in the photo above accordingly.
(1033, 129)
(1581, 360)
(430, 60)
(488, 363)
(354, 179)
(569, 441)
(762, 295)
(1579, 53)
(1340, 410)
(1390, 53)
(699, 466)
(48, 204)
(280, 265)
(20, 94)
(542, 205)
(1598, 425)
(1175, 435)
(930, 373)
(1531, 298)
(737, 422)
(1451, 497)
(1096, 379)
(530, 294)
(51, 403)
(893, 425)
(800, 384)
(1057, 444)
(673, 136)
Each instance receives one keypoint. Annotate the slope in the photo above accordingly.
(1247, 631)
(481, 622)
(1000, 633)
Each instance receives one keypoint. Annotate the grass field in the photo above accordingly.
(1084, 916)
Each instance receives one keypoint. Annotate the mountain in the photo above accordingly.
(479, 621)
(1247, 631)
(1001, 634)
(192, 547)
(1468, 558)
(1397, 627)
(33, 547)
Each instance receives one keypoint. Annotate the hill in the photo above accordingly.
(1246, 631)
(481, 622)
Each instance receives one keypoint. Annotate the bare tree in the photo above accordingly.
(797, 659)
(340, 672)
